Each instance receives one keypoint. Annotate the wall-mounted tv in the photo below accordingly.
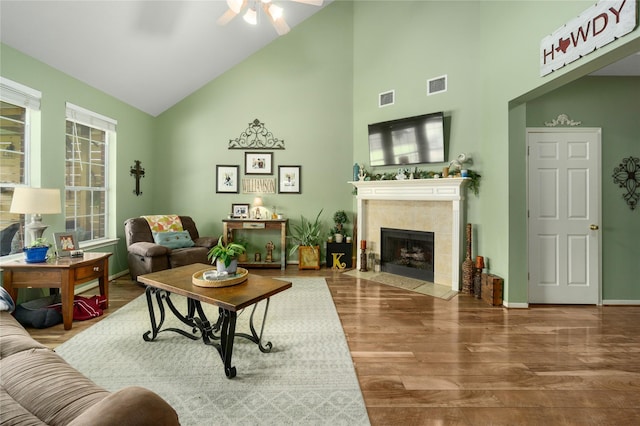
(411, 140)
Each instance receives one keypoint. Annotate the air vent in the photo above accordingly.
(437, 85)
(386, 98)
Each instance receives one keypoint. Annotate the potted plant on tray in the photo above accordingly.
(36, 252)
(226, 256)
(306, 238)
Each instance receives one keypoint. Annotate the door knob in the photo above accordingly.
(594, 227)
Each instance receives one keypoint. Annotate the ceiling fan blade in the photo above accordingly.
(235, 7)
(274, 13)
(226, 17)
(281, 26)
(311, 2)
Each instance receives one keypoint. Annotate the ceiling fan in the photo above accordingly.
(251, 7)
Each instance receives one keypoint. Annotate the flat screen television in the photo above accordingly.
(411, 140)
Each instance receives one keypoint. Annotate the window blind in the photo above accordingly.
(90, 118)
(20, 95)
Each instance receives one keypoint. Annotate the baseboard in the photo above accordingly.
(621, 302)
(515, 305)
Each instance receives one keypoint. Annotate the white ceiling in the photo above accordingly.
(149, 54)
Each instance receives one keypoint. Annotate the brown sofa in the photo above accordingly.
(38, 387)
(145, 256)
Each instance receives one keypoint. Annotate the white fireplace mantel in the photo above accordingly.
(448, 190)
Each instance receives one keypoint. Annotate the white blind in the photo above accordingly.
(90, 118)
(20, 95)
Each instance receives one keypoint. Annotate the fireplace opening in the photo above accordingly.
(407, 253)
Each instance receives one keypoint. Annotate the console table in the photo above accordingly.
(64, 273)
(229, 225)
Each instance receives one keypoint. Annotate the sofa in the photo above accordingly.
(37, 387)
(146, 255)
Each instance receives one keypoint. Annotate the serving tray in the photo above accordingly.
(240, 276)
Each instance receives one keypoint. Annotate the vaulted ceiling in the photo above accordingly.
(149, 54)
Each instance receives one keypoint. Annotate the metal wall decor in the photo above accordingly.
(256, 136)
(137, 171)
(627, 176)
(562, 120)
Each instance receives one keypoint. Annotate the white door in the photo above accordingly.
(564, 215)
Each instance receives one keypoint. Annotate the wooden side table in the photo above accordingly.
(229, 225)
(64, 273)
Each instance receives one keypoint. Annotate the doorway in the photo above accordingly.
(564, 213)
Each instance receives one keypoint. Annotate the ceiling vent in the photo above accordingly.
(437, 85)
(386, 98)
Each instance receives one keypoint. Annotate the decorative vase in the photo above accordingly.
(467, 266)
(338, 238)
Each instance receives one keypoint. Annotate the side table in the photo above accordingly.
(340, 253)
(229, 225)
(64, 273)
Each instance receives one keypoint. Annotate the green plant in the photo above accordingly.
(340, 218)
(307, 233)
(225, 252)
(39, 242)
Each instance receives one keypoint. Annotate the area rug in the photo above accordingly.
(423, 287)
(308, 378)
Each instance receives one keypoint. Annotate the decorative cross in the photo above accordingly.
(138, 172)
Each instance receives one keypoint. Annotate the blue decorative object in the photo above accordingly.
(356, 172)
(36, 254)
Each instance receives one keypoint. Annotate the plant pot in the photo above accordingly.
(309, 257)
(243, 258)
(36, 254)
(231, 269)
(338, 238)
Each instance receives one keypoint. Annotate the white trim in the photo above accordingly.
(515, 305)
(621, 302)
(90, 118)
(19, 94)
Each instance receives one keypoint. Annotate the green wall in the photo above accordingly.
(300, 87)
(610, 103)
(135, 138)
(317, 87)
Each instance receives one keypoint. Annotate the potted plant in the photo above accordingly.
(306, 238)
(340, 218)
(36, 252)
(226, 256)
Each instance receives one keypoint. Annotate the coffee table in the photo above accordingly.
(229, 300)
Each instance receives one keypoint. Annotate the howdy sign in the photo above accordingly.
(596, 27)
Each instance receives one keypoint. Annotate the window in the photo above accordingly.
(18, 104)
(86, 172)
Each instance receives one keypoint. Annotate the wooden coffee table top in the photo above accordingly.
(232, 298)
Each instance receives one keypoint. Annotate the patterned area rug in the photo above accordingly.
(419, 286)
(308, 378)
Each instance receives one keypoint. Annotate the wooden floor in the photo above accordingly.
(425, 361)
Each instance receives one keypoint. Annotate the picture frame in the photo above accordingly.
(227, 179)
(65, 243)
(240, 211)
(289, 179)
(258, 163)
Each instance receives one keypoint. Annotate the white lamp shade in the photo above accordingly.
(257, 202)
(251, 16)
(35, 201)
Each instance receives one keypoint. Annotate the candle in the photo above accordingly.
(363, 244)
(479, 262)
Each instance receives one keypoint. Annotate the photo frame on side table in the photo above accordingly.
(258, 163)
(65, 243)
(239, 211)
(289, 179)
(227, 179)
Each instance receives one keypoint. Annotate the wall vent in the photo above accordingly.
(437, 85)
(386, 98)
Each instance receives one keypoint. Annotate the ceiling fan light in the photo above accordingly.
(235, 5)
(265, 1)
(251, 16)
(275, 12)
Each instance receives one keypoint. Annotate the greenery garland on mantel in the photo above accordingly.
(473, 176)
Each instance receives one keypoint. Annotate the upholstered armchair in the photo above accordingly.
(150, 253)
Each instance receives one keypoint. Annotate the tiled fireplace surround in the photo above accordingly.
(432, 205)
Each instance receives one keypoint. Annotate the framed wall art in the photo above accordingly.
(240, 211)
(289, 179)
(65, 243)
(258, 163)
(227, 179)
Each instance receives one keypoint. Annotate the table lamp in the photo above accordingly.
(36, 202)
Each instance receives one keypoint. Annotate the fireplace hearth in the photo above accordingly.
(407, 253)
